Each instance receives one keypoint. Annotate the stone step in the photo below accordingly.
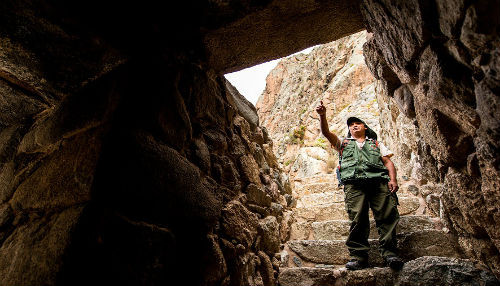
(314, 276)
(330, 211)
(325, 185)
(427, 270)
(323, 178)
(411, 245)
(335, 210)
(317, 199)
(339, 229)
(315, 188)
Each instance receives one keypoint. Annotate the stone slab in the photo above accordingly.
(411, 246)
(313, 276)
(331, 211)
(336, 210)
(317, 199)
(427, 270)
(339, 229)
(319, 187)
(307, 276)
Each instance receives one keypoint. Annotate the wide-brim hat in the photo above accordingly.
(369, 132)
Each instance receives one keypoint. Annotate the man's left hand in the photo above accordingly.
(393, 186)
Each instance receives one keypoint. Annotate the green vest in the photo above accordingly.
(364, 163)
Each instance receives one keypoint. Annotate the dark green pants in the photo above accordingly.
(359, 197)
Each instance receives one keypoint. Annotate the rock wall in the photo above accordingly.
(437, 66)
(125, 165)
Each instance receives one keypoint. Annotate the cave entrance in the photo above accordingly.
(336, 74)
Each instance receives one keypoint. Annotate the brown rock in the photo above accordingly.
(307, 276)
(216, 268)
(7, 174)
(239, 223)
(34, 251)
(6, 214)
(450, 13)
(261, 26)
(404, 99)
(266, 269)
(481, 20)
(201, 155)
(249, 169)
(17, 106)
(286, 225)
(71, 168)
(269, 231)
(401, 41)
(446, 86)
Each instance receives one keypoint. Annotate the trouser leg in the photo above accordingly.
(385, 212)
(357, 209)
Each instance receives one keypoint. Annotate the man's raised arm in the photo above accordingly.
(334, 140)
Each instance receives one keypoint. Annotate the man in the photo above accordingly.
(369, 179)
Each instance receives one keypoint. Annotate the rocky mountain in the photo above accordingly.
(334, 73)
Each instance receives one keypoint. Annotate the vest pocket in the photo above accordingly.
(347, 169)
(377, 165)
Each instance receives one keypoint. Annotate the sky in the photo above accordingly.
(251, 81)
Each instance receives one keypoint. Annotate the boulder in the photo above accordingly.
(239, 223)
(269, 231)
(441, 271)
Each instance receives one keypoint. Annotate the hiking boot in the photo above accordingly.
(356, 264)
(394, 262)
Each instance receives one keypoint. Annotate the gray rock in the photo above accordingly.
(284, 257)
(297, 261)
(413, 190)
(276, 209)
(339, 229)
(434, 204)
(245, 108)
(441, 271)
(244, 49)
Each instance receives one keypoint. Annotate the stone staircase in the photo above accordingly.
(316, 252)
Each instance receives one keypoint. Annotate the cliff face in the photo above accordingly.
(334, 73)
(437, 66)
